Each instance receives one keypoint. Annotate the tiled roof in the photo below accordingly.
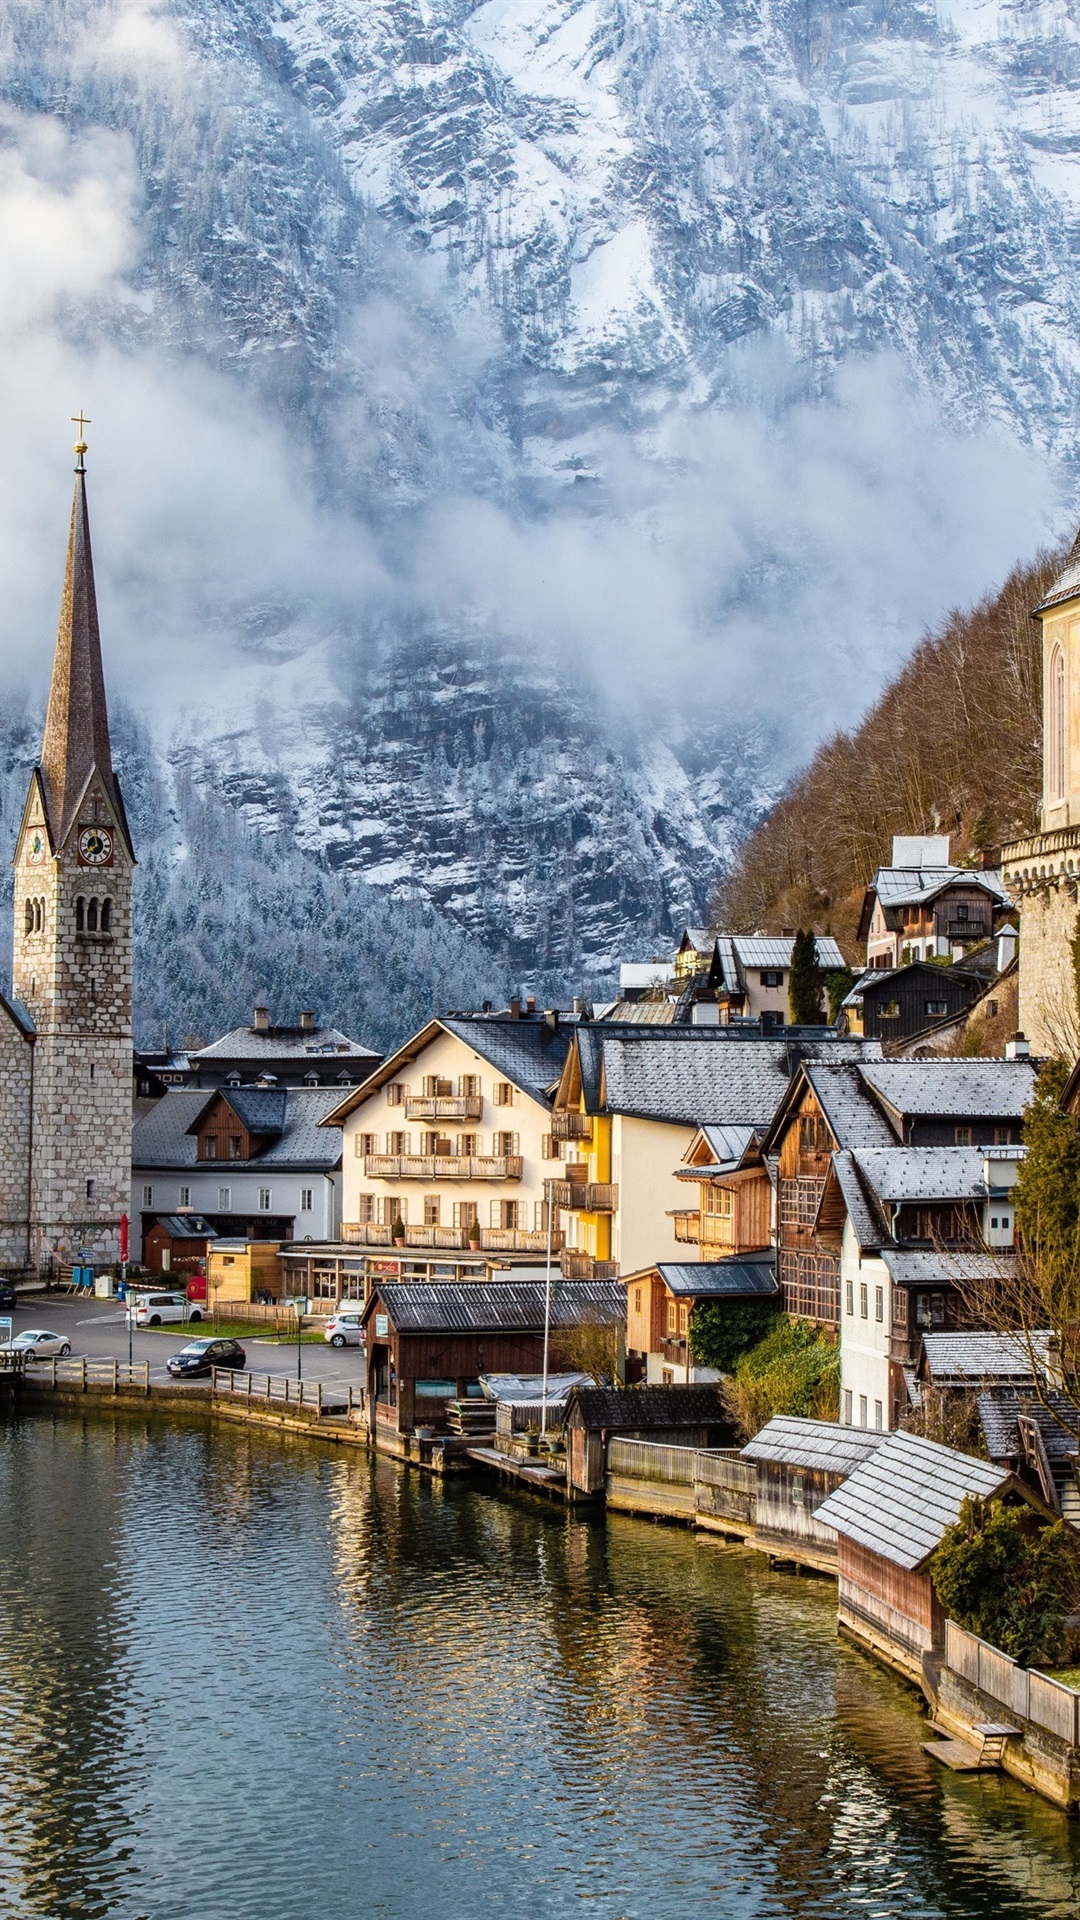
(526, 1051)
(721, 1279)
(852, 1115)
(262, 1109)
(923, 1173)
(692, 1075)
(187, 1226)
(1055, 1416)
(867, 1224)
(944, 1267)
(496, 1306)
(900, 1501)
(641, 1013)
(160, 1137)
(260, 1045)
(822, 1446)
(1065, 587)
(981, 1356)
(953, 1089)
(641, 1408)
(728, 1144)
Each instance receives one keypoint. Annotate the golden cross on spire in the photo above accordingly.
(80, 420)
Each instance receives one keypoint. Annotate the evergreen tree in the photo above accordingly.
(1048, 1187)
(804, 982)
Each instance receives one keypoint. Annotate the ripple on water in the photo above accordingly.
(246, 1680)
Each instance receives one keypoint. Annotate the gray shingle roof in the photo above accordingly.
(953, 1089)
(851, 1113)
(526, 1051)
(944, 1266)
(698, 1075)
(822, 1446)
(260, 1046)
(923, 1173)
(728, 1143)
(496, 1306)
(1056, 1420)
(963, 1357)
(1066, 586)
(867, 1224)
(642, 1408)
(721, 1279)
(161, 1140)
(900, 1501)
(910, 886)
(262, 1109)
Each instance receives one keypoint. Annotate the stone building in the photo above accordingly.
(1042, 872)
(65, 1167)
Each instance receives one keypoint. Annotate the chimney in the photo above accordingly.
(530, 1004)
(261, 1022)
(551, 1019)
(1018, 1048)
(307, 1022)
(515, 1007)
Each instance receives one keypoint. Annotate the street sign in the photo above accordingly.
(5, 1330)
(382, 1326)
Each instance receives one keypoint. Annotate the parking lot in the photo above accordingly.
(98, 1329)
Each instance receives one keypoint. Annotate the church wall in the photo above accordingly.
(16, 1056)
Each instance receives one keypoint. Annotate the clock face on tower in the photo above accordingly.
(36, 848)
(95, 847)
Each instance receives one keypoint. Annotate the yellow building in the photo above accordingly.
(1042, 872)
(243, 1270)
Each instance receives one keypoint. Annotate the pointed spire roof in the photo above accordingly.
(76, 739)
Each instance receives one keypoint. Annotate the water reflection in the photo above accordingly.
(304, 1685)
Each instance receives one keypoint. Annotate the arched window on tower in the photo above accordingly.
(106, 915)
(39, 916)
(29, 916)
(1055, 728)
(80, 914)
(91, 916)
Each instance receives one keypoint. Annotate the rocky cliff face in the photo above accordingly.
(517, 276)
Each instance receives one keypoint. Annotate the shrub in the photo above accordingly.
(1048, 1187)
(795, 1369)
(1011, 1580)
(721, 1331)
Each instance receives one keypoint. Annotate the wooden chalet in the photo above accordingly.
(680, 1416)
(661, 1299)
(428, 1342)
(888, 1516)
(799, 1464)
(734, 1193)
(895, 1003)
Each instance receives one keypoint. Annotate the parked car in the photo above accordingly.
(343, 1329)
(8, 1296)
(164, 1309)
(38, 1344)
(200, 1355)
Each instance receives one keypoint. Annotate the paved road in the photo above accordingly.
(99, 1328)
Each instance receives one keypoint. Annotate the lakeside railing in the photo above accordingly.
(1031, 1696)
(322, 1397)
(106, 1374)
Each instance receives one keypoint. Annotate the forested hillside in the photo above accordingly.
(953, 745)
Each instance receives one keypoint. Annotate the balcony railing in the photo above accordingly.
(443, 1106)
(967, 930)
(688, 1227)
(443, 1166)
(582, 1266)
(571, 1126)
(585, 1196)
(674, 1350)
(717, 1230)
(367, 1233)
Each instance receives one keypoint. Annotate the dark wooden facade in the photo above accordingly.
(907, 1001)
(808, 1263)
(787, 1499)
(894, 1611)
(222, 1134)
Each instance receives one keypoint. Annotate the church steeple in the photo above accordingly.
(77, 721)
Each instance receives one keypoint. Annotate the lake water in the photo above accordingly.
(249, 1678)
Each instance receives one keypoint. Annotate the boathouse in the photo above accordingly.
(889, 1515)
(672, 1416)
(799, 1463)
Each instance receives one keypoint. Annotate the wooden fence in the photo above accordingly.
(105, 1374)
(321, 1397)
(651, 1460)
(1030, 1695)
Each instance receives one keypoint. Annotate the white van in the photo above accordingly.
(164, 1309)
(343, 1329)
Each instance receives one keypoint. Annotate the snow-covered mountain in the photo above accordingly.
(645, 373)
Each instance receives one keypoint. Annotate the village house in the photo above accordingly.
(429, 1342)
(1042, 870)
(724, 977)
(734, 1211)
(255, 1162)
(889, 1515)
(664, 1416)
(921, 907)
(240, 1271)
(630, 1102)
(660, 1302)
(448, 1144)
(301, 1055)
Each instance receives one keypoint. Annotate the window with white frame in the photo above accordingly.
(224, 1199)
(505, 1143)
(307, 1196)
(504, 1213)
(264, 1199)
(184, 1199)
(148, 1196)
(398, 1143)
(503, 1093)
(464, 1213)
(365, 1208)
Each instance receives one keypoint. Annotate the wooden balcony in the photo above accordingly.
(717, 1230)
(571, 1126)
(688, 1227)
(966, 930)
(584, 1196)
(367, 1233)
(675, 1351)
(443, 1106)
(443, 1166)
(582, 1266)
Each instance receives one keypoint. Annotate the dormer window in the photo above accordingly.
(236, 1147)
(209, 1147)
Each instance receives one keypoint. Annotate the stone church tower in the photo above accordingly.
(71, 968)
